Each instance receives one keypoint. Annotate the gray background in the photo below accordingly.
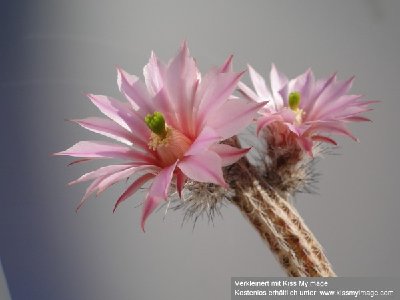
(52, 52)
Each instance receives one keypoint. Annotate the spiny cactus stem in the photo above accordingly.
(278, 223)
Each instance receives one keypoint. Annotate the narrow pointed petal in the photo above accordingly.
(153, 75)
(302, 84)
(136, 185)
(278, 80)
(259, 84)
(102, 182)
(204, 167)
(164, 105)
(161, 182)
(206, 138)
(358, 119)
(97, 149)
(233, 116)
(319, 90)
(299, 130)
(248, 92)
(321, 138)
(227, 65)
(335, 128)
(332, 93)
(332, 108)
(136, 93)
(123, 115)
(123, 174)
(149, 205)
(112, 108)
(202, 87)
(107, 128)
(89, 191)
(101, 172)
(217, 93)
(180, 79)
(229, 154)
(158, 192)
(306, 144)
(78, 161)
(180, 182)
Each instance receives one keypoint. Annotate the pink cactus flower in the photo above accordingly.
(171, 128)
(309, 109)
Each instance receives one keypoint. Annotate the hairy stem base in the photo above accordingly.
(278, 223)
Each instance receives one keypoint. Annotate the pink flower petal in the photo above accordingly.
(107, 128)
(335, 107)
(112, 108)
(233, 116)
(153, 75)
(101, 172)
(149, 206)
(206, 138)
(180, 80)
(278, 80)
(98, 149)
(163, 104)
(217, 93)
(321, 138)
(300, 129)
(202, 86)
(204, 167)
(304, 85)
(320, 88)
(259, 84)
(107, 176)
(108, 181)
(90, 190)
(134, 90)
(229, 154)
(331, 93)
(161, 183)
(358, 119)
(137, 184)
(306, 144)
(123, 115)
(248, 92)
(78, 161)
(180, 182)
(94, 149)
(227, 65)
(335, 127)
(158, 192)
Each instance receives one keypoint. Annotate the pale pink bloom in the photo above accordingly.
(309, 109)
(171, 128)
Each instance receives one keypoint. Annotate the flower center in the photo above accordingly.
(156, 123)
(294, 104)
(169, 143)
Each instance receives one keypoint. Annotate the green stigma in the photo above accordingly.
(294, 100)
(156, 123)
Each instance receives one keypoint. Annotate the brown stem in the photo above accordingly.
(278, 223)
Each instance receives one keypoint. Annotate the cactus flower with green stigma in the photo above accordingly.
(171, 127)
(307, 108)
